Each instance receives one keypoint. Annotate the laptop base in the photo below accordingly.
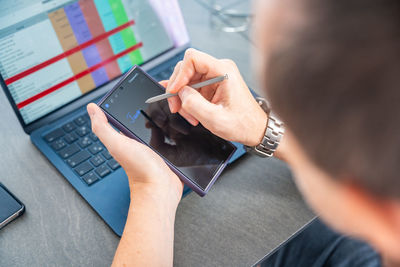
(91, 171)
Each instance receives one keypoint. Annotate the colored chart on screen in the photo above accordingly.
(60, 54)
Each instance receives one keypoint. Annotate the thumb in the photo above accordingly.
(100, 126)
(197, 106)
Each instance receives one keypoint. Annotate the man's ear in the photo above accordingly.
(376, 219)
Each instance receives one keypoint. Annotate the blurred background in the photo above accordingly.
(222, 28)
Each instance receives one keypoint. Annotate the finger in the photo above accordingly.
(103, 130)
(197, 77)
(164, 83)
(195, 64)
(174, 103)
(174, 74)
(208, 92)
(199, 107)
(192, 120)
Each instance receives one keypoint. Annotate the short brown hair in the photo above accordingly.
(336, 85)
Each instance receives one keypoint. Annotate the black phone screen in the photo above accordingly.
(194, 150)
(8, 204)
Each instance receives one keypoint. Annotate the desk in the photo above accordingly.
(252, 208)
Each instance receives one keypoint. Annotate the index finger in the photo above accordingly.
(194, 65)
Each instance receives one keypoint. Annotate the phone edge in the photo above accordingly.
(128, 133)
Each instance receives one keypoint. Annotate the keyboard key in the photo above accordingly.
(78, 158)
(83, 130)
(106, 154)
(157, 78)
(83, 168)
(97, 160)
(84, 142)
(103, 171)
(70, 138)
(57, 145)
(165, 75)
(68, 151)
(113, 164)
(93, 137)
(89, 122)
(80, 120)
(95, 148)
(50, 137)
(69, 127)
(90, 178)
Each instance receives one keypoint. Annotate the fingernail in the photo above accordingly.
(91, 112)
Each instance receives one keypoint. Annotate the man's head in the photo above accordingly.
(331, 69)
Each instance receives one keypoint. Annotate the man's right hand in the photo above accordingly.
(227, 109)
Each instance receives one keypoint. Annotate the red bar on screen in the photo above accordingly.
(66, 53)
(77, 76)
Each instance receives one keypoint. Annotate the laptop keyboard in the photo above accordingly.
(80, 148)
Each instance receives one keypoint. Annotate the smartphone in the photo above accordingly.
(10, 207)
(195, 154)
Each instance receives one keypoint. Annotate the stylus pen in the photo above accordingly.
(194, 86)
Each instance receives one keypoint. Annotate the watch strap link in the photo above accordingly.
(273, 132)
(272, 137)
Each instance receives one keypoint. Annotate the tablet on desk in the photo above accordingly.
(195, 154)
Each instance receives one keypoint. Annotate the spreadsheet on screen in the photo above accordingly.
(54, 51)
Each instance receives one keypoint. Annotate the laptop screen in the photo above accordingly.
(55, 51)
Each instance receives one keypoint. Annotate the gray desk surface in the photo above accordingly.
(252, 208)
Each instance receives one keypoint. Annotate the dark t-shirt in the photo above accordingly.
(318, 246)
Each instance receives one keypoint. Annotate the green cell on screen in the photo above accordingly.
(127, 34)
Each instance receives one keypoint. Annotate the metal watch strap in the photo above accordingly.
(273, 133)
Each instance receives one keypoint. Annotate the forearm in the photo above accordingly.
(149, 231)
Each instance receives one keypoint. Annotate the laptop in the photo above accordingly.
(58, 55)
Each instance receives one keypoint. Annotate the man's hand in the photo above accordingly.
(227, 109)
(155, 193)
(142, 165)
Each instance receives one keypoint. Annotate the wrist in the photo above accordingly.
(258, 129)
(168, 194)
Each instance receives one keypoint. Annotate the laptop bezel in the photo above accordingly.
(96, 93)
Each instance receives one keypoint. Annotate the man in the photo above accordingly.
(331, 70)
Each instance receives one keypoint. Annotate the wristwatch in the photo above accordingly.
(273, 132)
